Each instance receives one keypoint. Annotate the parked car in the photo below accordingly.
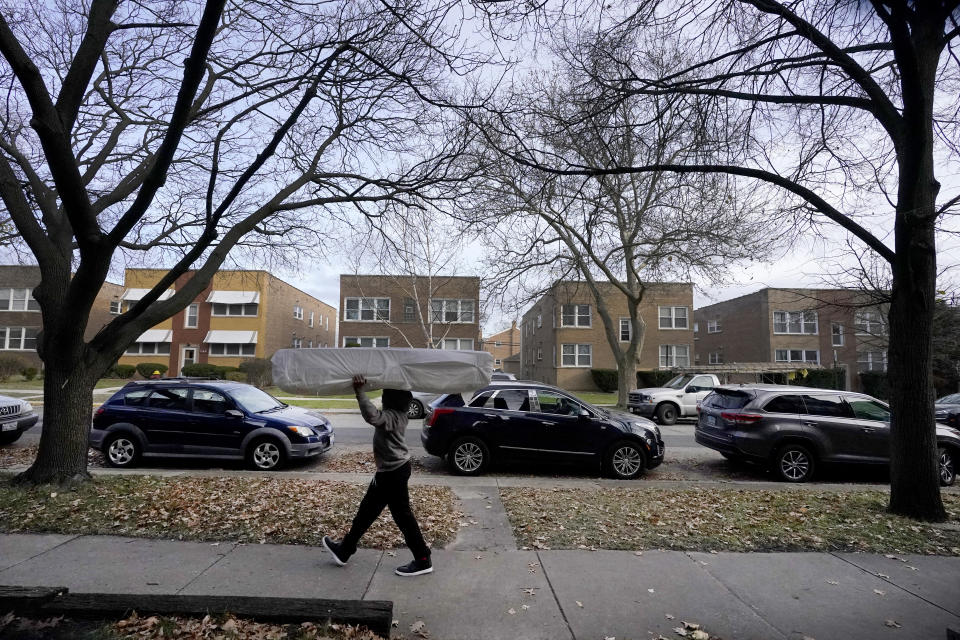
(677, 398)
(534, 421)
(945, 406)
(502, 375)
(16, 416)
(185, 417)
(422, 399)
(796, 429)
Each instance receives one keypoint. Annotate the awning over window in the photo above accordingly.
(137, 294)
(231, 337)
(234, 297)
(156, 335)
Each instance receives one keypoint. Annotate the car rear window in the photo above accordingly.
(136, 398)
(512, 400)
(727, 399)
(789, 403)
(831, 406)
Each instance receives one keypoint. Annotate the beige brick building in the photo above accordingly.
(502, 345)
(563, 337)
(829, 327)
(410, 311)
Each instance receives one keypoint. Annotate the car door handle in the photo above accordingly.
(548, 422)
(867, 429)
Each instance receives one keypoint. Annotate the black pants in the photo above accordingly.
(388, 489)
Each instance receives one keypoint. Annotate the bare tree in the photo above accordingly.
(619, 234)
(174, 132)
(847, 108)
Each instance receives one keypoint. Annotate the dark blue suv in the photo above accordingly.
(182, 417)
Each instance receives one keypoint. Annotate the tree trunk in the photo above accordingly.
(624, 374)
(68, 399)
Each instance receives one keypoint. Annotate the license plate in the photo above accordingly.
(9, 426)
(711, 420)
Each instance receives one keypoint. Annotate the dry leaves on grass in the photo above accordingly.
(242, 509)
(721, 519)
(359, 462)
(23, 456)
(160, 628)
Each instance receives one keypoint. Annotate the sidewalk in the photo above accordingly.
(533, 594)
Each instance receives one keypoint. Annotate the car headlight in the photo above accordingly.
(27, 407)
(306, 432)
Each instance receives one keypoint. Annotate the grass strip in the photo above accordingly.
(235, 509)
(723, 520)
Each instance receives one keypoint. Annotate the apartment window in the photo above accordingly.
(836, 333)
(366, 341)
(18, 300)
(626, 333)
(575, 315)
(498, 344)
(409, 310)
(367, 309)
(497, 362)
(795, 322)
(576, 355)
(444, 310)
(237, 310)
(115, 307)
(454, 344)
(674, 355)
(327, 324)
(869, 323)
(310, 320)
(191, 316)
(871, 361)
(297, 343)
(298, 312)
(539, 353)
(309, 344)
(231, 349)
(554, 355)
(809, 356)
(673, 318)
(716, 357)
(148, 348)
(539, 321)
(714, 326)
(18, 338)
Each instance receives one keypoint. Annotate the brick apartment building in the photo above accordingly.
(242, 314)
(829, 327)
(410, 311)
(502, 345)
(563, 337)
(20, 318)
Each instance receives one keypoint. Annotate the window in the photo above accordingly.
(869, 322)
(539, 320)
(576, 355)
(297, 343)
(836, 333)
(497, 362)
(453, 344)
(557, 404)
(170, 399)
(230, 349)
(714, 326)
(18, 338)
(18, 300)
(409, 310)
(366, 342)
(626, 333)
(206, 401)
(367, 309)
(539, 353)
(298, 312)
(148, 348)
(452, 310)
(797, 355)
(674, 355)
(191, 316)
(829, 405)
(136, 398)
(575, 315)
(716, 357)
(115, 307)
(554, 355)
(871, 361)
(673, 318)
(512, 400)
(498, 344)
(785, 404)
(702, 382)
(865, 409)
(797, 322)
(310, 321)
(235, 310)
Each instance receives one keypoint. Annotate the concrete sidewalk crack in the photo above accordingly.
(210, 566)
(553, 592)
(373, 575)
(45, 551)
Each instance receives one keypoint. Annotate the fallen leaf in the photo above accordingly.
(879, 593)
(834, 582)
(524, 606)
(668, 616)
(893, 624)
(650, 591)
(579, 604)
(511, 611)
(530, 591)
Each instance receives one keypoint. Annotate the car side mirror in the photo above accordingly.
(234, 413)
(584, 414)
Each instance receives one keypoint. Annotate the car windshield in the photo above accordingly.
(254, 400)
(679, 382)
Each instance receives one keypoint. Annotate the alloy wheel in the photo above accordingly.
(266, 455)
(468, 457)
(794, 464)
(121, 451)
(946, 466)
(626, 461)
(413, 410)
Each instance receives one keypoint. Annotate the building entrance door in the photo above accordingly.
(188, 355)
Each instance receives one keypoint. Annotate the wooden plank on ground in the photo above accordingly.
(14, 598)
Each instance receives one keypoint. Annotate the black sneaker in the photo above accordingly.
(337, 552)
(415, 568)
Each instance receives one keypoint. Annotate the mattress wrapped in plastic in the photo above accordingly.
(331, 371)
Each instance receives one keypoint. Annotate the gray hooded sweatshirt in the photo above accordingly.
(389, 436)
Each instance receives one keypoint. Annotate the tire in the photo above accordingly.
(794, 463)
(625, 460)
(122, 450)
(468, 456)
(10, 437)
(415, 410)
(266, 454)
(947, 461)
(666, 414)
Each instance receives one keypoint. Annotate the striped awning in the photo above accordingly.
(156, 335)
(138, 294)
(220, 336)
(234, 297)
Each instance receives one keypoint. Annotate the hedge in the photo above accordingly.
(206, 370)
(874, 383)
(605, 379)
(124, 370)
(28, 373)
(146, 369)
(258, 371)
(10, 365)
(654, 378)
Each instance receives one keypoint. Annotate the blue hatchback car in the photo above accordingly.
(182, 417)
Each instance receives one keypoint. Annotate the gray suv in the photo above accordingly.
(794, 429)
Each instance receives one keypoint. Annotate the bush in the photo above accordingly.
(823, 379)
(874, 383)
(258, 371)
(653, 378)
(124, 370)
(237, 376)
(10, 365)
(605, 379)
(207, 370)
(146, 369)
(28, 373)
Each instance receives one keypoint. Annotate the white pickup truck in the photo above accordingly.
(677, 398)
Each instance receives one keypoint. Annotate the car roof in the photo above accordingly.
(166, 382)
(523, 384)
